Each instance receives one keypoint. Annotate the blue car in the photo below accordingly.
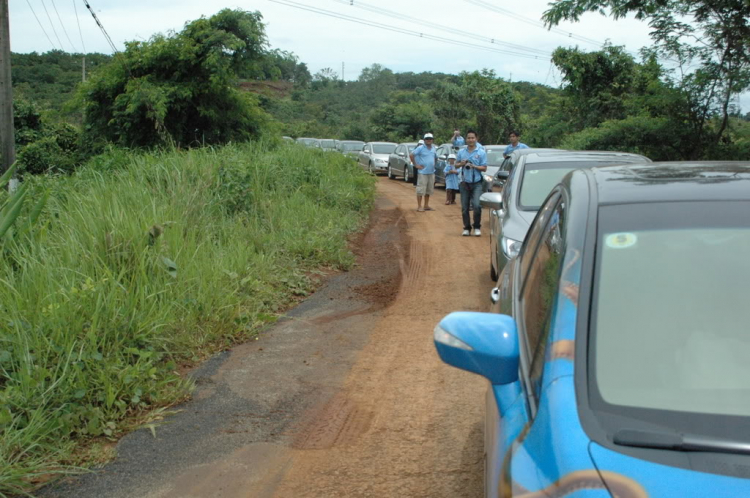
(618, 353)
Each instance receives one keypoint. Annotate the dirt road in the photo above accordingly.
(346, 396)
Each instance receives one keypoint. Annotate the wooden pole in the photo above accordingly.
(7, 144)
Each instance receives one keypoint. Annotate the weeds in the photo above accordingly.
(140, 267)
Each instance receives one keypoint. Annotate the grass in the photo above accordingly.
(143, 262)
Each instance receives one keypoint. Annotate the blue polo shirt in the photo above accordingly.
(477, 157)
(510, 148)
(425, 157)
(459, 142)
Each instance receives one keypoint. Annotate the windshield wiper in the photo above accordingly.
(678, 442)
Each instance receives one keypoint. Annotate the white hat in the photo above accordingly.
(428, 135)
(451, 156)
(421, 142)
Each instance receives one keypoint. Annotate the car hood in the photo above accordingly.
(625, 475)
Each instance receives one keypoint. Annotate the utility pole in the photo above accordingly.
(7, 145)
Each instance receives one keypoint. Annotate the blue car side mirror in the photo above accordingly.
(482, 343)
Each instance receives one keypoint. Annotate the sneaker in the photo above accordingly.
(477, 232)
(466, 233)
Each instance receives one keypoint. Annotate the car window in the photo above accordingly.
(507, 164)
(383, 148)
(539, 291)
(533, 236)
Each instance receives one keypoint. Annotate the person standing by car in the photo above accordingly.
(451, 180)
(424, 160)
(457, 139)
(514, 138)
(473, 162)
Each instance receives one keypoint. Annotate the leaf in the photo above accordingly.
(170, 266)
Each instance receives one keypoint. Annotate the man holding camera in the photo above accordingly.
(473, 162)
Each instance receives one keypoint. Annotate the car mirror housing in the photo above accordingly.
(482, 343)
(443, 157)
(491, 200)
(502, 175)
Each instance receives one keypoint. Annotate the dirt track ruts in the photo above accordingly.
(346, 396)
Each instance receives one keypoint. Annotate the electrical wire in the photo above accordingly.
(78, 21)
(402, 17)
(98, 23)
(40, 24)
(534, 22)
(374, 24)
(53, 25)
(63, 26)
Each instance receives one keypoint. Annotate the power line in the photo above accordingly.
(40, 24)
(80, 33)
(534, 22)
(53, 26)
(63, 26)
(374, 24)
(98, 23)
(401, 17)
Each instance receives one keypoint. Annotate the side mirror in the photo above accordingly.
(491, 200)
(443, 157)
(402, 154)
(502, 175)
(482, 343)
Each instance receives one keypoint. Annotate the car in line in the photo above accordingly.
(374, 156)
(327, 144)
(495, 159)
(350, 148)
(616, 350)
(309, 142)
(399, 162)
(529, 182)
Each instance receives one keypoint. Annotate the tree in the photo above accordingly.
(181, 87)
(717, 40)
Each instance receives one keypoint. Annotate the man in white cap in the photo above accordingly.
(424, 160)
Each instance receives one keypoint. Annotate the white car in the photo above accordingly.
(374, 156)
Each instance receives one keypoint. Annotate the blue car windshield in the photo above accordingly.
(670, 318)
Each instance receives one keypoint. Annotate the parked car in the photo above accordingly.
(374, 156)
(399, 162)
(287, 139)
(494, 161)
(327, 144)
(531, 179)
(617, 353)
(309, 142)
(350, 148)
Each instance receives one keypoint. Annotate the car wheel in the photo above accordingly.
(369, 168)
(406, 174)
(493, 272)
(390, 172)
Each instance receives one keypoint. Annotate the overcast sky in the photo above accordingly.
(322, 40)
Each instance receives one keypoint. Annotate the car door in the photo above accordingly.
(364, 155)
(401, 152)
(442, 159)
(512, 414)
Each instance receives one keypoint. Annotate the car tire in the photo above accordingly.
(406, 174)
(369, 168)
(390, 173)
(493, 272)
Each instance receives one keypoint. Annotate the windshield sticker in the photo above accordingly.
(533, 171)
(621, 240)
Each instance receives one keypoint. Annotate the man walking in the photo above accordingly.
(473, 162)
(514, 143)
(424, 159)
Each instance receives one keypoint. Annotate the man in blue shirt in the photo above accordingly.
(473, 163)
(458, 140)
(424, 159)
(514, 143)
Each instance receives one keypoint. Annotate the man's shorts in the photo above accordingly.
(425, 184)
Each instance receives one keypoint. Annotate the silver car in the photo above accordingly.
(350, 148)
(399, 162)
(374, 156)
(309, 142)
(327, 144)
(533, 173)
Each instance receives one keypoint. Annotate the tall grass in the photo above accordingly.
(142, 262)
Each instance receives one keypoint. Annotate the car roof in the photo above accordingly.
(409, 143)
(583, 155)
(673, 181)
(382, 143)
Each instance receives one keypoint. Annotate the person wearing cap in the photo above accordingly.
(473, 163)
(451, 180)
(424, 159)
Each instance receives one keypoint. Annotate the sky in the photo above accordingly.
(409, 34)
